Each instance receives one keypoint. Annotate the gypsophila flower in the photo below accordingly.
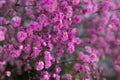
(70, 48)
(80, 55)
(77, 67)
(16, 21)
(65, 36)
(56, 76)
(76, 19)
(21, 36)
(15, 53)
(39, 66)
(45, 75)
(2, 36)
(57, 69)
(68, 76)
(2, 33)
(36, 52)
(48, 58)
(75, 2)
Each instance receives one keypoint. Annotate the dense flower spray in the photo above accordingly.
(58, 39)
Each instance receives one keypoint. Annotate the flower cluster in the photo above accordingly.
(58, 39)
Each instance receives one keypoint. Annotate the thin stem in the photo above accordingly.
(29, 75)
(72, 60)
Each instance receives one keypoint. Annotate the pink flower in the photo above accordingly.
(76, 19)
(88, 49)
(48, 59)
(70, 48)
(36, 52)
(16, 21)
(117, 67)
(75, 2)
(68, 76)
(21, 36)
(76, 67)
(80, 55)
(2, 33)
(51, 6)
(45, 75)
(15, 53)
(39, 66)
(2, 36)
(65, 36)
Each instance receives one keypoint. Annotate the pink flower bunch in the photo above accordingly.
(58, 39)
